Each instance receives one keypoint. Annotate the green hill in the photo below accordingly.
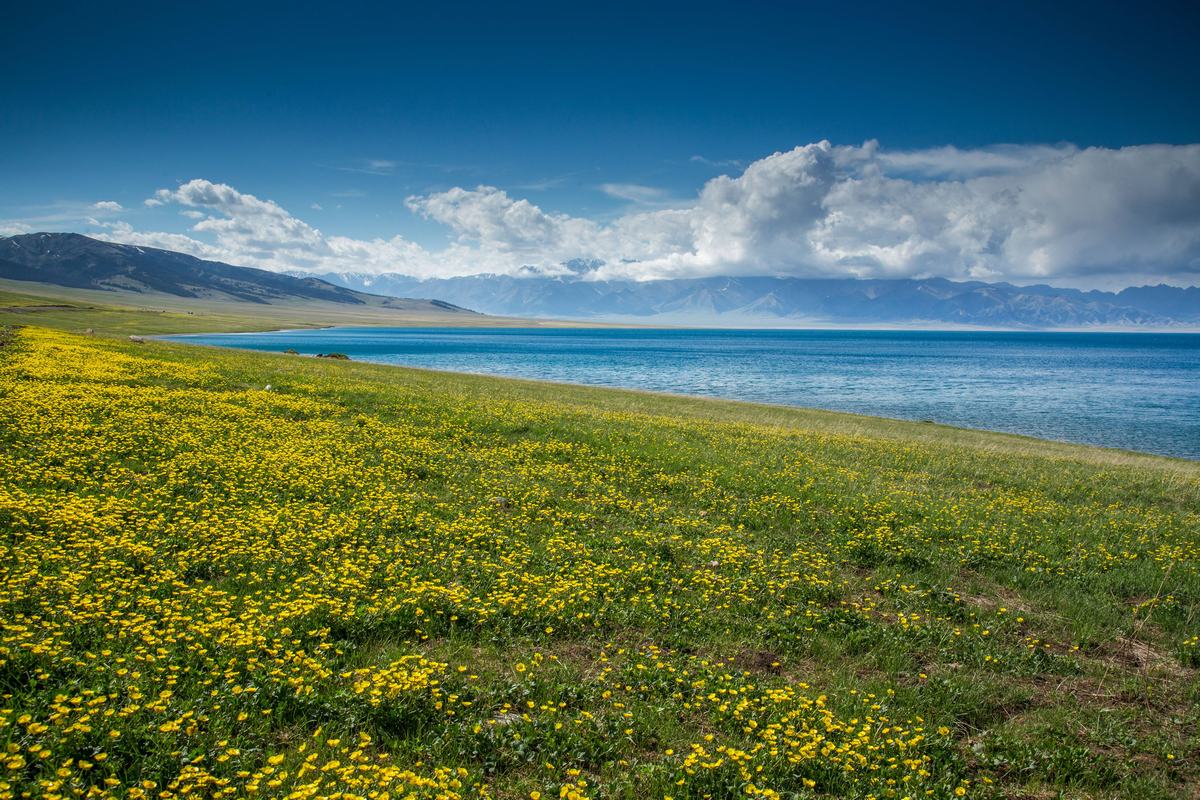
(80, 262)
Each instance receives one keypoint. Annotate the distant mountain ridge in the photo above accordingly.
(77, 261)
(74, 260)
(791, 301)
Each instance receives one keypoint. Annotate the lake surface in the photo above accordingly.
(1139, 391)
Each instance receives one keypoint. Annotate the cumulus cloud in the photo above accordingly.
(240, 228)
(1053, 213)
(488, 216)
(256, 230)
(109, 206)
(1079, 215)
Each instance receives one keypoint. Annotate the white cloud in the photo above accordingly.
(543, 184)
(371, 166)
(711, 162)
(488, 216)
(1023, 213)
(1079, 215)
(13, 228)
(636, 193)
(242, 224)
(123, 232)
(59, 216)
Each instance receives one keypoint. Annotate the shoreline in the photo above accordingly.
(186, 339)
(568, 324)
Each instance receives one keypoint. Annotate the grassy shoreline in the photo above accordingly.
(78, 310)
(767, 414)
(86, 309)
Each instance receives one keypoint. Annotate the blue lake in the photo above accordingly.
(1138, 391)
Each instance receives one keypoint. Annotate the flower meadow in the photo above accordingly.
(248, 575)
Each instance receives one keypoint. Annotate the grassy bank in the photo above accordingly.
(367, 579)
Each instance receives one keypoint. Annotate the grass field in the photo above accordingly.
(237, 574)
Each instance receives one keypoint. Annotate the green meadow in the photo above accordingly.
(257, 575)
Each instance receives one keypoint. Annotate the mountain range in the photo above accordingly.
(69, 259)
(73, 260)
(799, 301)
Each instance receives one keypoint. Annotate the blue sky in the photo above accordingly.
(341, 114)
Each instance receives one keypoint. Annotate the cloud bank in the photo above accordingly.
(1053, 213)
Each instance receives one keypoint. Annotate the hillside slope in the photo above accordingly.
(73, 260)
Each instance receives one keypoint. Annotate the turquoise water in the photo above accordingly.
(1138, 391)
